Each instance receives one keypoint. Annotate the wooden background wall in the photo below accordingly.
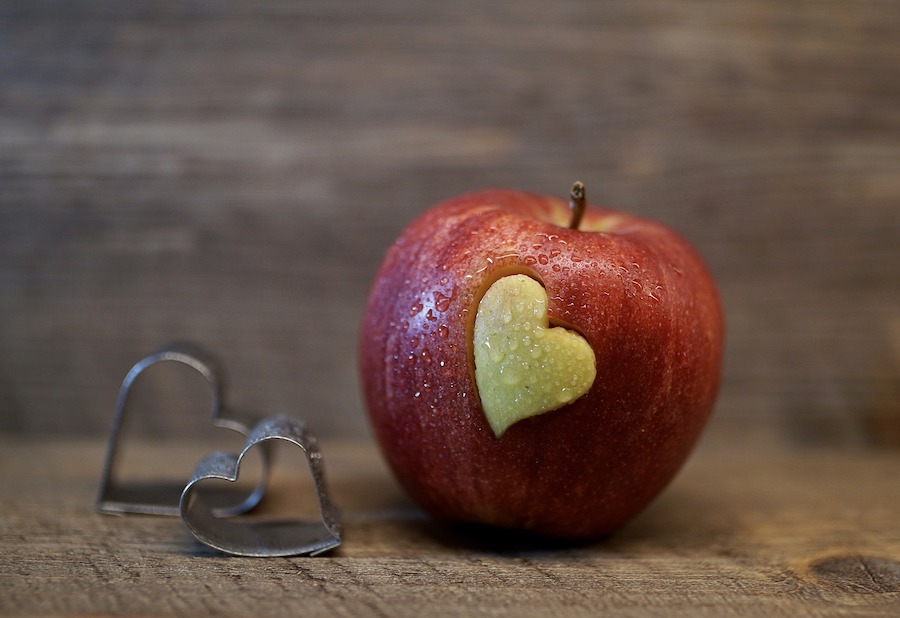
(231, 172)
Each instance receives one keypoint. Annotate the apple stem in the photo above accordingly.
(578, 204)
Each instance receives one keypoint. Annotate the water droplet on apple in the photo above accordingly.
(426, 356)
(415, 309)
(530, 260)
(441, 302)
(576, 257)
(510, 378)
(543, 259)
(563, 395)
(443, 331)
(496, 355)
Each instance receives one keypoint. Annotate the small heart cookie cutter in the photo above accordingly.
(262, 538)
(206, 514)
(162, 498)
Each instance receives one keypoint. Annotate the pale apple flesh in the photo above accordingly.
(523, 367)
(639, 295)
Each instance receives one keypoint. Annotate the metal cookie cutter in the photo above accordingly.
(162, 498)
(262, 538)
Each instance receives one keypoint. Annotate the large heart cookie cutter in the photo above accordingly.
(262, 538)
(163, 498)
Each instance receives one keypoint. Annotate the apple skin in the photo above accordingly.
(637, 292)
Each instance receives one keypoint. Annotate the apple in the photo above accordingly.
(534, 363)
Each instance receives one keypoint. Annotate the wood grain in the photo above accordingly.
(231, 174)
(748, 529)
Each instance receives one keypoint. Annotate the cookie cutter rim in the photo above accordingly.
(262, 538)
(118, 498)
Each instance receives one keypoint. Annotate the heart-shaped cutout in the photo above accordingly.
(523, 367)
(161, 497)
(265, 538)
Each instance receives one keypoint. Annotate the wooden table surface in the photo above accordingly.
(749, 528)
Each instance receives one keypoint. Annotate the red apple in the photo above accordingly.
(636, 292)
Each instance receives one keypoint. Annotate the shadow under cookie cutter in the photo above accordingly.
(262, 538)
(162, 498)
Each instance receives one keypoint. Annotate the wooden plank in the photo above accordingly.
(749, 528)
(232, 174)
